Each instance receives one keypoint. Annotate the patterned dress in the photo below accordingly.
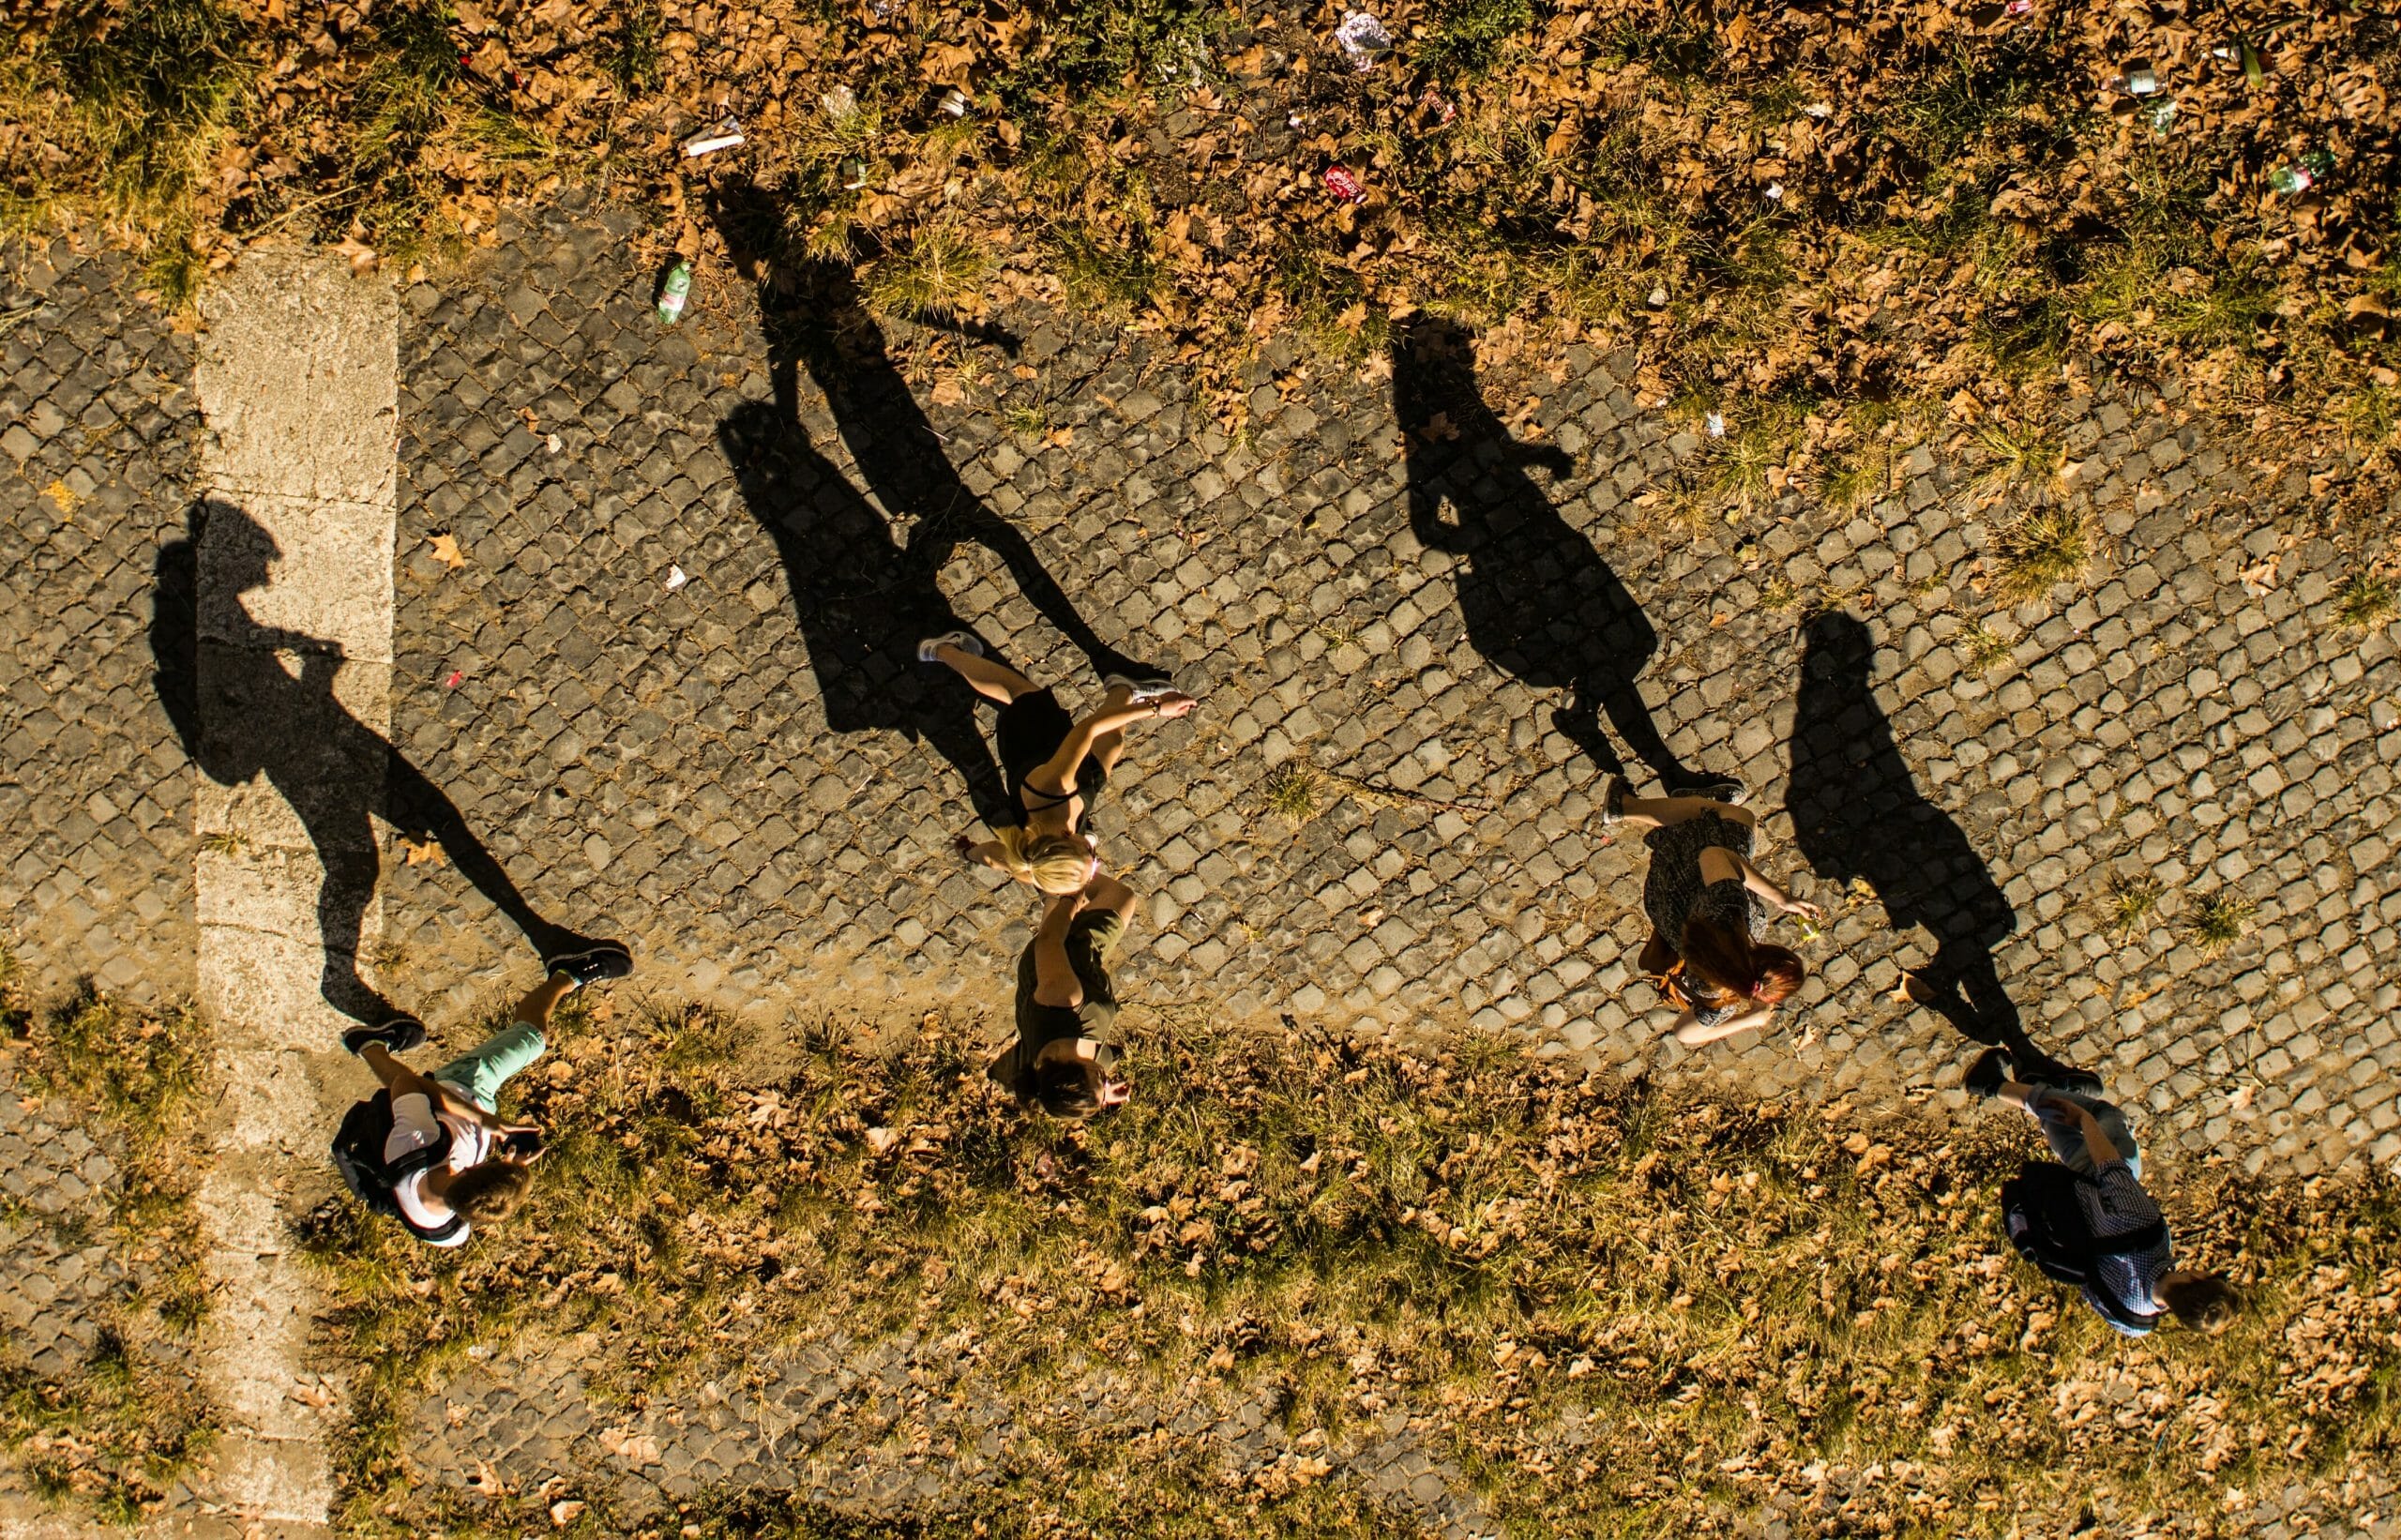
(1673, 892)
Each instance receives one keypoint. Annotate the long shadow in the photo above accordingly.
(1537, 599)
(1857, 813)
(862, 596)
(240, 714)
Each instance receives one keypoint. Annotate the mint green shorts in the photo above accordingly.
(481, 1072)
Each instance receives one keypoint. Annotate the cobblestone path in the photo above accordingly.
(660, 760)
(96, 422)
(761, 797)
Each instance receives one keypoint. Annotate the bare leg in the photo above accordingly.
(1110, 747)
(1647, 813)
(535, 1009)
(991, 680)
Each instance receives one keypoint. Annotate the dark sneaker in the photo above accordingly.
(2059, 1076)
(1139, 687)
(603, 962)
(966, 642)
(1985, 1077)
(399, 1035)
(1613, 801)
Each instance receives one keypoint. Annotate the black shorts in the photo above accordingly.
(1030, 730)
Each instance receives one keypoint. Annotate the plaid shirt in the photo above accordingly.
(2115, 1204)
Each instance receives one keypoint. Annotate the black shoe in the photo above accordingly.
(1729, 792)
(399, 1035)
(2059, 1076)
(1613, 801)
(1985, 1077)
(607, 960)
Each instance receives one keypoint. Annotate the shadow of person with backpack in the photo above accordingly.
(241, 715)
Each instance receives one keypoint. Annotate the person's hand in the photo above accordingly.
(1175, 704)
(1806, 911)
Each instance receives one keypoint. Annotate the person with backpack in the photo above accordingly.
(431, 1150)
(2085, 1218)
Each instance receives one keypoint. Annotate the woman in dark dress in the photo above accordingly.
(1053, 765)
(1704, 897)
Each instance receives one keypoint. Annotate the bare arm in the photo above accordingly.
(1690, 1032)
(1056, 775)
(1054, 977)
(1761, 884)
(2097, 1142)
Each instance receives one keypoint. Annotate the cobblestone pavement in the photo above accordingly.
(95, 465)
(659, 762)
(719, 771)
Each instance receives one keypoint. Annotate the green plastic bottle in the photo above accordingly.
(672, 293)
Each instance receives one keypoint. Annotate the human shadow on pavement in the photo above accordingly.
(863, 596)
(1537, 601)
(240, 714)
(1857, 813)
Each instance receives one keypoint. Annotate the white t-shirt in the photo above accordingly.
(417, 1123)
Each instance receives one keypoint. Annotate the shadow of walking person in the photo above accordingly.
(815, 318)
(1857, 813)
(241, 715)
(1538, 601)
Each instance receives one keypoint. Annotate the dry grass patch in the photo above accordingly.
(1499, 1248)
(113, 1432)
(2042, 548)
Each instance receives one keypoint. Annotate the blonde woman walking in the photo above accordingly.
(1053, 765)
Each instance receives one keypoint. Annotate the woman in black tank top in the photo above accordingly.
(1054, 765)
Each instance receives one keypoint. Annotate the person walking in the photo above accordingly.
(1053, 765)
(1065, 1058)
(1704, 896)
(431, 1150)
(2086, 1220)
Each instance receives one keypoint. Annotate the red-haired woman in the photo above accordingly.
(1703, 897)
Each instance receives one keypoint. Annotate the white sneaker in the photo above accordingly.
(964, 641)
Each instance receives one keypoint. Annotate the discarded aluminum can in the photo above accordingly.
(1443, 111)
(1365, 41)
(1344, 185)
(2020, 7)
(726, 134)
(854, 174)
(674, 292)
(2162, 114)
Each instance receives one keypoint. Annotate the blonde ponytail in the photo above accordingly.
(1054, 863)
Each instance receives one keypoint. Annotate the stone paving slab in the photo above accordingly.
(736, 773)
(97, 464)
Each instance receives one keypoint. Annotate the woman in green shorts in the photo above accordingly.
(1054, 765)
(1065, 1059)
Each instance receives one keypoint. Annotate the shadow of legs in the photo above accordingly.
(414, 804)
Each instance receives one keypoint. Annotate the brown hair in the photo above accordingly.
(1068, 1091)
(1730, 965)
(490, 1193)
(2207, 1303)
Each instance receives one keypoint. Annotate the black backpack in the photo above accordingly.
(2056, 1237)
(358, 1155)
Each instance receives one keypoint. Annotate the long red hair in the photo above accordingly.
(1737, 965)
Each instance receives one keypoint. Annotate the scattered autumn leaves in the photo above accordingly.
(1609, 1303)
(1855, 202)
